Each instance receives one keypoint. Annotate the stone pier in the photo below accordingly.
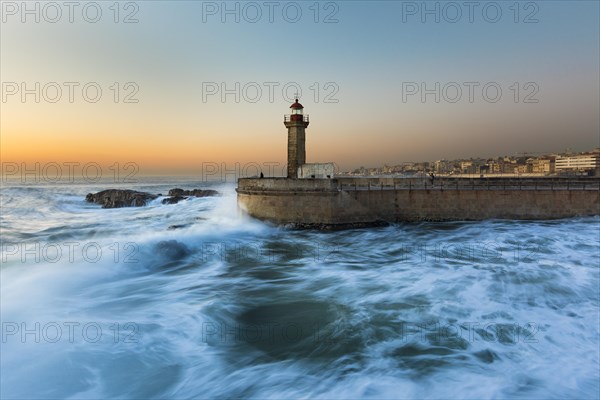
(346, 202)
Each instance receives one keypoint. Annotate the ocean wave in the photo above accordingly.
(198, 300)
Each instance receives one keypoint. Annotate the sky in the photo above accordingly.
(175, 86)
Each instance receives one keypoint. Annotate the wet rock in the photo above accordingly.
(335, 227)
(194, 193)
(177, 195)
(171, 249)
(173, 200)
(179, 226)
(117, 198)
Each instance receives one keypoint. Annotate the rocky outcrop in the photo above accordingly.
(173, 200)
(178, 195)
(192, 193)
(117, 198)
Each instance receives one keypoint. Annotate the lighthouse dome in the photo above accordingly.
(296, 105)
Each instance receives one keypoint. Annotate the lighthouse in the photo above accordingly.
(296, 123)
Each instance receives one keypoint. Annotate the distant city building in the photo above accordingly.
(466, 167)
(525, 163)
(521, 169)
(473, 166)
(442, 166)
(580, 162)
(543, 166)
(494, 167)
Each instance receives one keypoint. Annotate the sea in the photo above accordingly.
(198, 300)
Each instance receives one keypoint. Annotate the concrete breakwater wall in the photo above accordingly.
(364, 201)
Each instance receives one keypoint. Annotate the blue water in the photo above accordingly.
(100, 303)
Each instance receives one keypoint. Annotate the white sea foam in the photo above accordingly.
(224, 306)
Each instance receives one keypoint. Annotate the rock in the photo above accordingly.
(171, 249)
(335, 227)
(178, 195)
(117, 198)
(194, 193)
(173, 200)
(176, 192)
(180, 226)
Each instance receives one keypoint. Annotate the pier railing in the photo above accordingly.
(373, 183)
(284, 185)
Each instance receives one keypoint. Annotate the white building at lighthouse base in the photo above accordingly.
(316, 171)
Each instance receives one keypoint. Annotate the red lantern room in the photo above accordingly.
(297, 111)
(297, 108)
